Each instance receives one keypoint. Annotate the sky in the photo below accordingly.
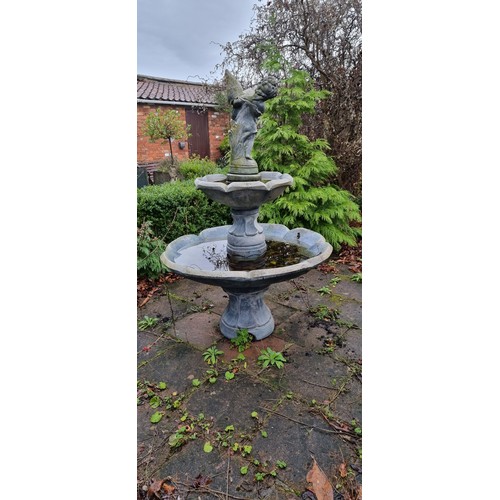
(179, 39)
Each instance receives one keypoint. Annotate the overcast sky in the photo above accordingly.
(178, 38)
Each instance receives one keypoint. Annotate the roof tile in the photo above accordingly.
(150, 88)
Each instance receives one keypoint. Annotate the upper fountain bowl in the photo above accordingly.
(247, 194)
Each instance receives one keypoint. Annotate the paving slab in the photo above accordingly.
(200, 330)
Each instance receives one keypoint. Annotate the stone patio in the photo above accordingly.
(209, 431)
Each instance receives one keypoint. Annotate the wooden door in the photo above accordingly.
(198, 141)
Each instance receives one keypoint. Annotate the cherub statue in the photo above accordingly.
(248, 106)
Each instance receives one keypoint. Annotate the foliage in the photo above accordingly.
(211, 355)
(322, 37)
(270, 357)
(165, 125)
(357, 277)
(312, 202)
(224, 146)
(178, 208)
(166, 164)
(147, 322)
(242, 340)
(149, 249)
(162, 125)
(225, 151)
(156, 417)
(197, 167)
(324, 313)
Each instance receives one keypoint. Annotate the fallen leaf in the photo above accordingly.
(201, 481)
(320, 485)
(145, 301)
(155, 488)
(343, 470)
(168, 487)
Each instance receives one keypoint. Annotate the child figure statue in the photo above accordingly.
(248, 106)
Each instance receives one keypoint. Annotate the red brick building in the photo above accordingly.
(197, 106)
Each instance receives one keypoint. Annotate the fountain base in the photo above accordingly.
(247, 309)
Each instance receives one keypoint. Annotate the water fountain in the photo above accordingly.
(246, 257)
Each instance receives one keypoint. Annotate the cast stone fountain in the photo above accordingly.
(246, 257)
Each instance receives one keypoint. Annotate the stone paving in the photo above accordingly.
(227, 430)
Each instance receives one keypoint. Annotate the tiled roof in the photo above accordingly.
(161, 89)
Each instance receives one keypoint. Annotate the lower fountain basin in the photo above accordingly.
(312, 245)
(245, 288)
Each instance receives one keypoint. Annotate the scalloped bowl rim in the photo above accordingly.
(273, 232)
(218, 182)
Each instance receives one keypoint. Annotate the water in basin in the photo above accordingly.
(212, 256)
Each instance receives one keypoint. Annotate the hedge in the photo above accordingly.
(178, 208)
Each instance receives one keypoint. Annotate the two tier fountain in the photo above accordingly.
(247, 257)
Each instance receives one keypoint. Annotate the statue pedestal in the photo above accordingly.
(243, 169)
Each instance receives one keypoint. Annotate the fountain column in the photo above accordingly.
(245, 240)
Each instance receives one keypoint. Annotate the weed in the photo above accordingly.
(247, 449)
(242, 340)
(156, 417)
(324, 313)
(269, 357)
(213, 374)
(347, 324)
(179, 438)
(353, 366)
(155, 401)
(325, 290)
(211, 355)
(146, 323)
(356, 428)
(335, 280)
(356, 277)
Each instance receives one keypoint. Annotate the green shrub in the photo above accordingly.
(225, 151)
(178, 208)
(224, 146)
(313, 202)
(197, 167)
(149, 249)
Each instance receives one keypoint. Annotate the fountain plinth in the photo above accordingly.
(237, 257)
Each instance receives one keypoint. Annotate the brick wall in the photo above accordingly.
(218, 125)
(152, 152)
